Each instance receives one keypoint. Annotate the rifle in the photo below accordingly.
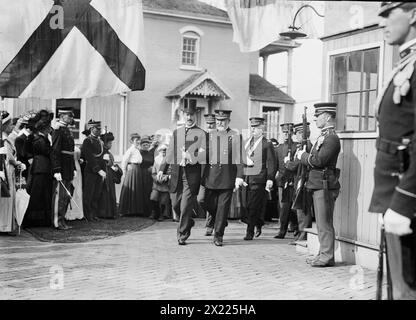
(299, 201)
(382, 249)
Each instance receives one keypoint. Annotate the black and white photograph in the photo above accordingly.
(207, 155)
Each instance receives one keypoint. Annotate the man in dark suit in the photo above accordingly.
(63, 166)
(323, 181)
(92, 150)
(186, 157)
(221, 172)
(258, 172)
(210, 218)
(394, 195)
(285, 180)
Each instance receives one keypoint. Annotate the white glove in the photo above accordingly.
(3, 150)
(106, 157)
(269, 185)
(2, 176)
(30, 161)
(286, 159)
(58, 176)
(75, 173)
(300, 152)
(22, 167)
(396, 223)
(115, 168)
(159, 175)
(102, 174)
(240, 182)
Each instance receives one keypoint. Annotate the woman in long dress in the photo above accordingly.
(8, 222)
(108, 203)
(75, 212)
(39, 211)
(132, 197)
(146, 172)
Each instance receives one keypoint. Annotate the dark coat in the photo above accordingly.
(42, 150)
(324, 155)
(193, 140)
(396, 121)
(92, 151)
(62, 145)
(223, 149)
(264, 164)
(284, 175)
(24, 150)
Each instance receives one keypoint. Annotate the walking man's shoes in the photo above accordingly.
(218, 241)
(311, 259)
(280, 236)
(321, 264)
(248, 237)
(258, 232)
(209, 231)
(181, 242)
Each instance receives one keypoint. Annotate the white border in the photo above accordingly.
(381, 46)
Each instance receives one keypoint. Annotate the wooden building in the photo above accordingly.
(356, 62)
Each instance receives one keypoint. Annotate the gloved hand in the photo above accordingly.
(58, 176)
(106, 157)
(21, 166)
(115, 168)
(75, 174)
(286, 159)
(2, 176)
(300, 152)
(239, 182)
(159, 175)
(396, 223)
(3, 150)
(102, 174)
(269, 185)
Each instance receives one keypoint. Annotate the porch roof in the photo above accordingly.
(263, 90)
(201, 84)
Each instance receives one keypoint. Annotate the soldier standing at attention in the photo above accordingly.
(304, 215)
(92, 150)
(323, 181)
(258, 172)
(220, 174)
(394, 194)
(210, 219)
(285, 180)
(63, 167)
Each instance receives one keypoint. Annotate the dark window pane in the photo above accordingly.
(339, 75)
(370, 72)
(340, 99)
(75, 104)
(354, 71)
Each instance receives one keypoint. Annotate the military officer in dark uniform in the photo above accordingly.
(304, 215)
(285, 180)
(186, 159)
(258, 172)
(221, 172)
(394, 194)
(92, 150)
(210, 219)
(323, 181)
(63, 167)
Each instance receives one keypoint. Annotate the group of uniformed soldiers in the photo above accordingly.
(207, 167)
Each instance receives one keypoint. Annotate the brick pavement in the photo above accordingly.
(150, 265)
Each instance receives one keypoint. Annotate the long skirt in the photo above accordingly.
(39, 211)
(107, 207)
(132, 197)
(8, 205)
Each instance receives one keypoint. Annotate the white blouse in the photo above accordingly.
(132, 155)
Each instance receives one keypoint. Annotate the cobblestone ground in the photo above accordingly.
(149, 264)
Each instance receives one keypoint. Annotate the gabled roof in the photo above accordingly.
(187, 7)
(201, 83)
(263, 90)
